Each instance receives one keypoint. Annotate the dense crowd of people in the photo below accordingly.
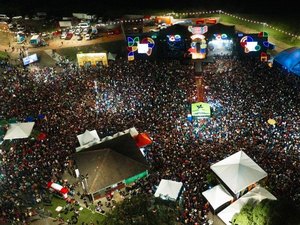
(154, 97)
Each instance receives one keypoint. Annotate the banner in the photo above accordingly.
(200, 109)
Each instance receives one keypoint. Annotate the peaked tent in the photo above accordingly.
(217, 196)
(168, 189)
(238, 171)
(19, 130)
(256, 195)
(111, 56)
(88, 137)
(107, 167)
(142, 140)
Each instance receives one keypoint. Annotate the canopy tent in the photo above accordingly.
(19, 130)
(142, 140)
(168, 189)
(88, 137)
(254, 196)
(133, 131)
(111, 56)
(289, 59)
(217, 196)
(238, 171)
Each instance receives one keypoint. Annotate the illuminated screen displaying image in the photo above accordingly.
(30, 59)
(198, 48)
(139, 46)
(252, 44)
(220, 44)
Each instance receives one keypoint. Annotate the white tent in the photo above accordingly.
(88, 138)
(133, 131)
(19, 130)
(217, 196)
(227, 214)
(168, 189)
(256, 195)
(111, 56)
(238, 171)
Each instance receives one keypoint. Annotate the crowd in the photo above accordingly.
(154, 97)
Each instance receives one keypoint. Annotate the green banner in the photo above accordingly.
(136, 177)
(200, 109)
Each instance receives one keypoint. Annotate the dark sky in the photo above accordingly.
(107, 6)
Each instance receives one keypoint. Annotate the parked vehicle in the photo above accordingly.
(4, 17)
(83, 25)
(110, 32)
(78, 31)
(16, 18)
(69, 36)
(63, 35)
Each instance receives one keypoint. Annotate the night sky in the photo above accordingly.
(63, 7)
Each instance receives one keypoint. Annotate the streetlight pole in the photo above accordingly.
(264, 24)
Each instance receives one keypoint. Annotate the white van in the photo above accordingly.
(4, 17)
(83, 25)
(16, 18)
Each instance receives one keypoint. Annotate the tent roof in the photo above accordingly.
(290, 59)
(168, 189)
(220, 28)
(106, 167)
(143, 139)
(256, 195)
(19, 130)
(238, 171)
(124, 144)
(111, 56)
(217, 196)
(88, 137)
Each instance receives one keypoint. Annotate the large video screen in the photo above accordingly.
(175, 45)
(253, 44)
(198, 48)
(201, 109)
(30, 59)
(140, 47)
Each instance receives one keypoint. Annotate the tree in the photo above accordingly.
(142, 210)
(268, 212)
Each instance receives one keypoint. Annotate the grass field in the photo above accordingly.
(3, 55)
(86, 215)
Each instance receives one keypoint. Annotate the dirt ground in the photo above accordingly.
(7, 42)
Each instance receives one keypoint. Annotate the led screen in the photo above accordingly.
(139, 47)
(30, 59)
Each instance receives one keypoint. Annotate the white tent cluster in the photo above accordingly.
(90, 138)
(256, 195)
(19, 130)
(169, 190)
(237, 172)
